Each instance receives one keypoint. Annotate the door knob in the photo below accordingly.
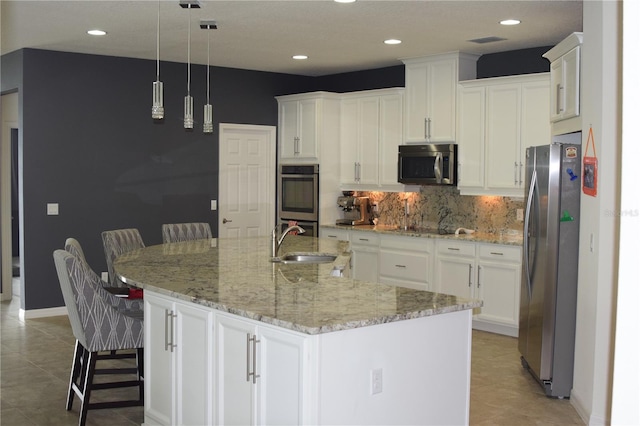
(225, 220)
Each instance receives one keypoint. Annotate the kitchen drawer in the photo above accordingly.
(365, 238)
(500, 252)
(407, 243)
(403, 265)
(338, 234)
(456, 248)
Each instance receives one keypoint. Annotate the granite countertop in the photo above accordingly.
(509, 238)
(237, 276)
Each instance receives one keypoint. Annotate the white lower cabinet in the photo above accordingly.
(336, 234)
(406, 261)
(259, 373)
(499, 275)
(365, 247)
(455, 267)
(489, 272)
(178, 380)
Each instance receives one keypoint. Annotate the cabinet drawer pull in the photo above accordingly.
(453, 248)
(497, 253)
(363, 239)
(401, 266)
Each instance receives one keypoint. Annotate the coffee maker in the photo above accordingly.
(356, 210)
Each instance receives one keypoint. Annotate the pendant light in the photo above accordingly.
(188, 100)
(157, 109)
(207, 124)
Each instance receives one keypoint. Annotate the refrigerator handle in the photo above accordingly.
(527, 216)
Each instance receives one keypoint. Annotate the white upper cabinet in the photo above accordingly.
(430, 99)
(304, 121)
(370, 132)
(498, 119)
(565, 84)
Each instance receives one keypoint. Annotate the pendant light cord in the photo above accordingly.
(189, 57)
(158, 46)
(208, 65)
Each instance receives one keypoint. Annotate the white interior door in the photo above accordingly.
(246, 190)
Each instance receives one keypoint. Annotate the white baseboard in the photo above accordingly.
(588, 418)
(42, 313)
(495, 328)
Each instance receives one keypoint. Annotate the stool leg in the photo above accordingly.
(140, 364)
(75, 373)
(87, 385)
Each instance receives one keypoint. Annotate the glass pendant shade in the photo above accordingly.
(157, 109)
(188, 112)
(207, 126)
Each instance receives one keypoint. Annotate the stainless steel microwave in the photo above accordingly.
(430, 164)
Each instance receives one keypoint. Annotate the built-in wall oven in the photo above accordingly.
(298, 190)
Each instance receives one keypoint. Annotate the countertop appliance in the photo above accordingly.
(430, 164)
(298, 196)
(550, 263)
(356, 211)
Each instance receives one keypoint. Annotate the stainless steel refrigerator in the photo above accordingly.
(550, 263)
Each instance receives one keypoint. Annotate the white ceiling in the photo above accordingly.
(263, 35)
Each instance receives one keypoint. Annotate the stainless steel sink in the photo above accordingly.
(305, 258)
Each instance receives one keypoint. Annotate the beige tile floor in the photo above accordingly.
(35, 358)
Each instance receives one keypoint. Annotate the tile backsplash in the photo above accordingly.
(441, 207)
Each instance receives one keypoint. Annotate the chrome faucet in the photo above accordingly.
(277, 242)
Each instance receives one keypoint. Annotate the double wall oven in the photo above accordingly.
(298, 190)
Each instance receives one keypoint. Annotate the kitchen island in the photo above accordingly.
(231, 337)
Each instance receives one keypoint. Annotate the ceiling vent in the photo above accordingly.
(484, 40)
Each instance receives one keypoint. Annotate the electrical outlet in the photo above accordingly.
(376, 381)
(52, 209)
(105, 276)
(520, 215)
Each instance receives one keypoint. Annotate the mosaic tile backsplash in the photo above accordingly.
(441, 207)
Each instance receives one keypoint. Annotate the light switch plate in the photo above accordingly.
(520, 215)
(214, 204)
(52, 209)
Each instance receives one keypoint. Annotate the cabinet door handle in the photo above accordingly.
(470, 268)
(515, 173)
(296, 145)
(355, 171)
(168, 330)
(252, 342)
(248, 356)
(520, 174)
(479, 267)
(332, 236)
(363, 239)
(255, 357)
(497, 253)
(427, 129)
(453, 248)
(559, 108)
(401, 266)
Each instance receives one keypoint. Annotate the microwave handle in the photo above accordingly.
(437, 167)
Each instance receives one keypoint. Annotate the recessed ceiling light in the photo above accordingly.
(392, 41)
(510, 22)
(300, 57)
(96, 32)
(344, 1)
